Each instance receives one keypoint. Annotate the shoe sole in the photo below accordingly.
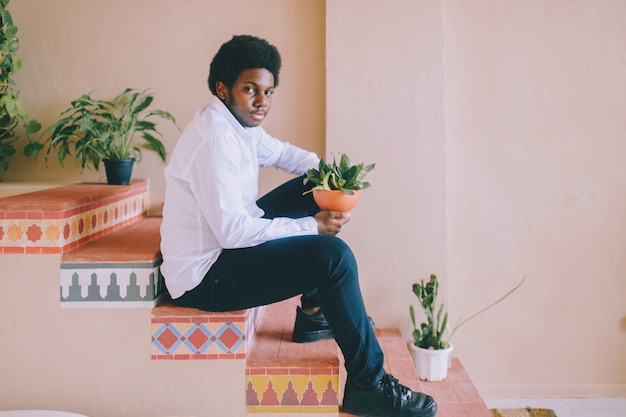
(374, 413)
(313, 336)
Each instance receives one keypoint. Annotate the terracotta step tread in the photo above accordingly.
(59, 219)
(277, 355)
(116, 270)
(456, 396)
(279, 367)
(288, 377)
(137, 242)
(167, 310)
(274, 347)
(67, 197)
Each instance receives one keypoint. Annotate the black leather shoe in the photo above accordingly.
(387, 399)
(314, 327)
(311, 327)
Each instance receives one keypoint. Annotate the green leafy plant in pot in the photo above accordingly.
(12, 111)
(432, 345)
(338, 187)
(100, 130)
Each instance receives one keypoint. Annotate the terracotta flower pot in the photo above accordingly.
(336, 200)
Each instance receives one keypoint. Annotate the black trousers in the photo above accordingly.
(321, 268)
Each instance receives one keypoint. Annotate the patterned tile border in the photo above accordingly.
(44, 232)
(126, 285)
(295, 390)
(205, 336)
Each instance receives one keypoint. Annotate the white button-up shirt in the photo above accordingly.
(211, 193)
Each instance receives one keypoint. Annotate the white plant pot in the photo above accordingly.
(430, 364)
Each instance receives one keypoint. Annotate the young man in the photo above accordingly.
(223, 250)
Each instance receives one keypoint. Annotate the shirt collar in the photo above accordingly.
(219, 106)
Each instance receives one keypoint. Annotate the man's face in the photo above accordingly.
(250, 97)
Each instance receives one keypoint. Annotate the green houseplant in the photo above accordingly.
(101, 130)
(12, 111)
(337, 186)
(431, 343)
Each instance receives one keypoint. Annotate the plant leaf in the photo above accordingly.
(343, 176)
(155, 145)
(142, 104)
(32, 149)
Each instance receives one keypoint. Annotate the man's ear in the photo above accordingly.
(221, 90)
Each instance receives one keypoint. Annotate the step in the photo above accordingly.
(117, 270)
(287, 377)
(59, 219)
(456, 396)
(283, 376)
(180, 333)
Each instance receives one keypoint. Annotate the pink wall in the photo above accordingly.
(535, 122)
(498, 133)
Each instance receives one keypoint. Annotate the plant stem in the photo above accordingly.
(461, 323)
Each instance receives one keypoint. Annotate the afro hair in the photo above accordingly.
(240, 53)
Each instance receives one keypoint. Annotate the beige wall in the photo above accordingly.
(71, 47)
(385, 105)
(536, 151)
(498, 132)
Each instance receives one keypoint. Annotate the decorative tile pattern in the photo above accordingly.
(296, 390)
(119, 270)
(59, 219)
(283, 376)
(180, 333)
(286, 377)
(134, 285)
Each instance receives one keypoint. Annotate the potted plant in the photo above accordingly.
(431, 347)
(338, 186)
(100, 130)
(12, 112)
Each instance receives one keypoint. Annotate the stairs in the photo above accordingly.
(283, 376)
(110, 258)
(119, 269)
(56, 220)
(180, 333)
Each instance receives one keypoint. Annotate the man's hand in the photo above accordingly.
(330, 222)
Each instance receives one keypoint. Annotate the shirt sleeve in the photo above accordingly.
(272, 152)
(221, 171)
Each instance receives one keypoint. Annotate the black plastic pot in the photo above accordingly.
(118, 170)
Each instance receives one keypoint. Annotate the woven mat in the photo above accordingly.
(522, 412)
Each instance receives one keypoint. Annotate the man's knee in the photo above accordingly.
(336, 253)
